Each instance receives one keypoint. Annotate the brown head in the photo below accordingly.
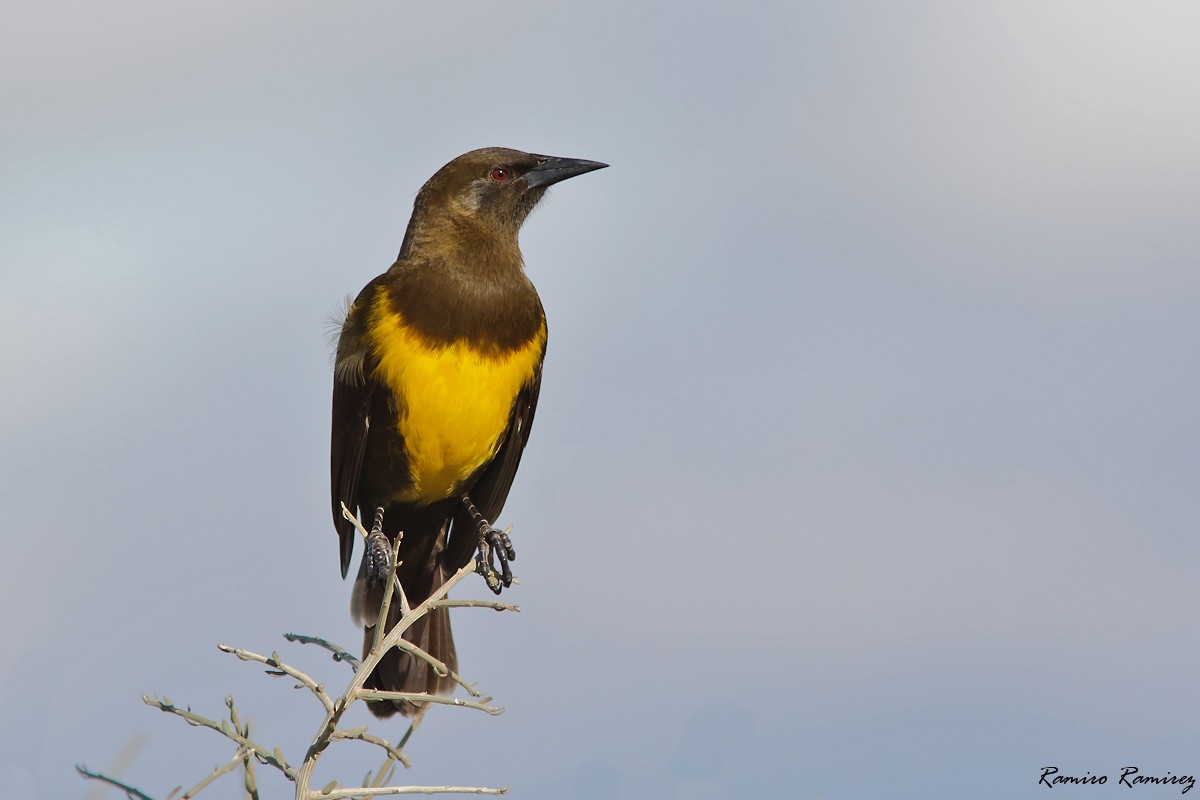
(493, 189)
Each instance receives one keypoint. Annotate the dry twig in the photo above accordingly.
(248, 751)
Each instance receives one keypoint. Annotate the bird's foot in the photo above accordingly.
(494, 545)
(378, 557)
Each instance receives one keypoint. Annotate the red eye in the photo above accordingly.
(499, 174)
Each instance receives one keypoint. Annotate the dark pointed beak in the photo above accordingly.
(552, 170)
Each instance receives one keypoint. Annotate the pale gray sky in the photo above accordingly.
(867, 453)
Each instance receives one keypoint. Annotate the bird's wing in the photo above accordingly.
(490, 489)
(352, 394)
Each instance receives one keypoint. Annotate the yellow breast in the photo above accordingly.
(455, 400)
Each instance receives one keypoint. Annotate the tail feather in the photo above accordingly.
(421, 571)
(399, 671)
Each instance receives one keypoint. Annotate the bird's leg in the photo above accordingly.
(379, 551)
(493, 544)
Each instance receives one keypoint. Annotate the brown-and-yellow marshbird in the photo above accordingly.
(436, 380)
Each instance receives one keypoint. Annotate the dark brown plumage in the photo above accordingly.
(436, 380)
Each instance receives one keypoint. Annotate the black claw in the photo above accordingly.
(489, 575)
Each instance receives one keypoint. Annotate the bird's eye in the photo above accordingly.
(499, 174)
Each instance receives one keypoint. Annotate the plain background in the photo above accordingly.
(867, 456)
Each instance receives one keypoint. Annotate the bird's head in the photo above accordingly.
(496, 186)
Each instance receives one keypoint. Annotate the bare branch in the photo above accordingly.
(248, 751)
(404, 609)
(281, 668)
(350, 515)
(228, 766)
(381, 620)
(492, 604)
(424, 697)
(274, 759)
(360, 734)
(394, 638)
(396, 635)
(386, 770)
(338, 653)
(371, 791)
(130, 792)
(251, 781)
(439, 666)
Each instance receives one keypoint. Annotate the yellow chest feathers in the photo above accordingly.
(454, 400)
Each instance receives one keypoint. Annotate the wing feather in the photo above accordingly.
(353, 392)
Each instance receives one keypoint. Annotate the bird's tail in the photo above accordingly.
(399, 671)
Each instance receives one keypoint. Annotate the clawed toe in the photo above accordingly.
(495, 545)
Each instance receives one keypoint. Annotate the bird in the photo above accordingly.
(436, 379)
